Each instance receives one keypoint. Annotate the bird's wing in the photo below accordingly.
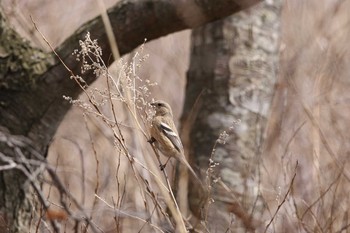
(172, 136)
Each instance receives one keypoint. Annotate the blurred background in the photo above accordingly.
(306, 132)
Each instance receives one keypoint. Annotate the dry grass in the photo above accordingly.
(308, 122)
(123, 109)
(307, 126)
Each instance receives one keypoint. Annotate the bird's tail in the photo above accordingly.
(184, 161)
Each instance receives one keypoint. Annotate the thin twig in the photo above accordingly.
(127, 214)
(284, 198)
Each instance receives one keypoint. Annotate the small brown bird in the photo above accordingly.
(165, 136)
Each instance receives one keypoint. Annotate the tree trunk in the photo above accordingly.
(32, 84)
(230, 83)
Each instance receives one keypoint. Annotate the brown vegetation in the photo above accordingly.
(304, 170)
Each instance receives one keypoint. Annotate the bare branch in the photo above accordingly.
(284, 198)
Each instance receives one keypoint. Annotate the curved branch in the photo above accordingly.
(42, 107)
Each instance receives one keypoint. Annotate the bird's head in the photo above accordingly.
(162, 108)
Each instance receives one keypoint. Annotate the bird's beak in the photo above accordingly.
(153, 104)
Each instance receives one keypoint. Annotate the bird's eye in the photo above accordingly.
(159, 104)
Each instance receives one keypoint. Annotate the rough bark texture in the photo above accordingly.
(15, 194)
(32, 83)
(230, 83)
(132, 21)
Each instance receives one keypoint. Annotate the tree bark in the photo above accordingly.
(229, 88)
(32, 82)
(133, 22)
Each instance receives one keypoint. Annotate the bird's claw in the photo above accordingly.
(162, 166)
(151, 140)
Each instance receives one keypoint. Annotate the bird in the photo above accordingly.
(165, 136)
